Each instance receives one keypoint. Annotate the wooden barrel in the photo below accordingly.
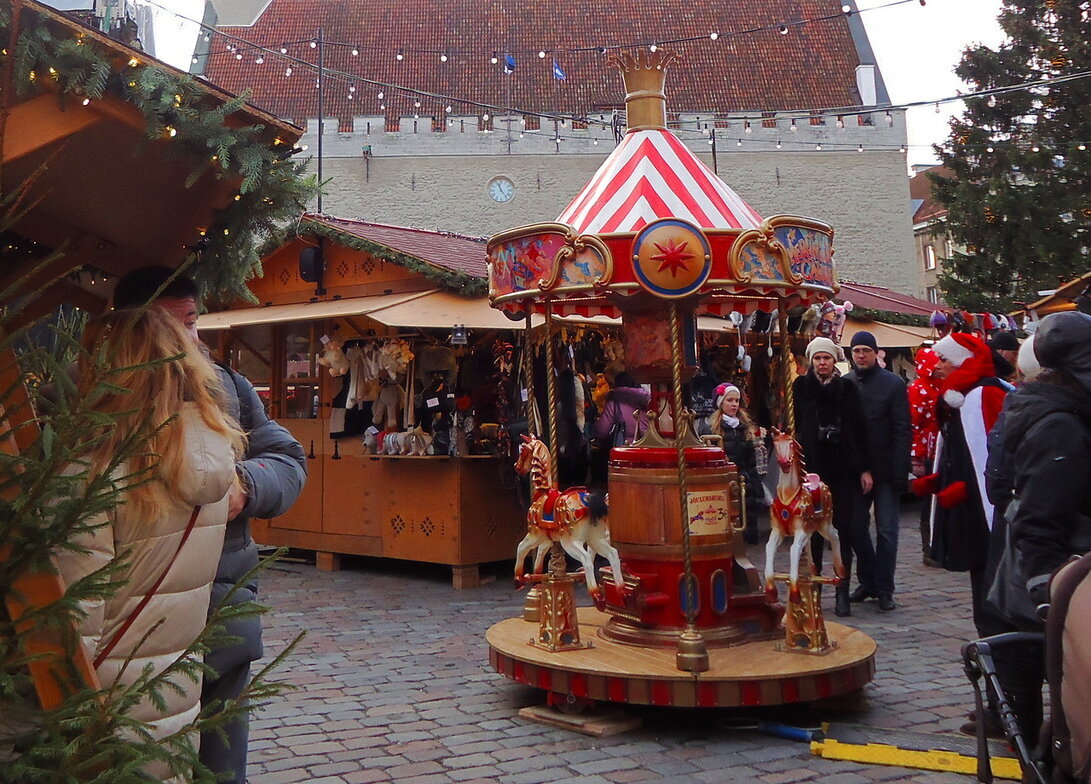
(645, 510)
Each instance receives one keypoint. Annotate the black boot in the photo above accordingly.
(841, 606)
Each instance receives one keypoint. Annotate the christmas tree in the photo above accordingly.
(1018, 199)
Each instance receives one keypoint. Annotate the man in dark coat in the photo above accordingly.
(886, 409)
(271, 477)
(1048, 426)
(830, 427)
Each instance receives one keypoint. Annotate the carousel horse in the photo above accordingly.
(802, 505)
(575, 517)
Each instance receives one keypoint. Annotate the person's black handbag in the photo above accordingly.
(1008, 595)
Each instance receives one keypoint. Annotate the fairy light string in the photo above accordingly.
(490, 112)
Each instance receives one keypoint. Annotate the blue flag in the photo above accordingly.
(558, 73)
(509, 64)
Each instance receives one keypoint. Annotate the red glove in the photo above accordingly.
(925, 485)
(952, 495)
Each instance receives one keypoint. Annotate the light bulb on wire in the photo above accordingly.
(400, 55)
(783, 29)
(443, 57)
(355, 52)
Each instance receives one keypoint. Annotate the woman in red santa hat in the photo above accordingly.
(970, 401)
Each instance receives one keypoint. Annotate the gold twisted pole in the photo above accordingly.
(551, 391)
(531, 402)
(787, 358)
(692, 655)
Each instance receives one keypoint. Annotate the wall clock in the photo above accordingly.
(501, 189)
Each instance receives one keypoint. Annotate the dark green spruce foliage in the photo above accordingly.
(49, 494)
(1022, 211)
(273, 192)
(48, 497)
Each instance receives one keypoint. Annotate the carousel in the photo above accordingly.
(681, 617)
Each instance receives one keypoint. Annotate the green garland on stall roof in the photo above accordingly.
(459, 282)
(178, 110)
(889, 317)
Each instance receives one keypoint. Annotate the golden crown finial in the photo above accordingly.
(644, 74)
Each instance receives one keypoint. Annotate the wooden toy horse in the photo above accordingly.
(802, 505)
(575, 517)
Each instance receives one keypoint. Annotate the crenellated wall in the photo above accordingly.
(438, 178)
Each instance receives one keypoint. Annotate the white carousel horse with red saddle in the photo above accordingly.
(575, 517)
(802, 506)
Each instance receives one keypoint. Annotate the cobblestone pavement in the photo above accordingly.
(394, 685)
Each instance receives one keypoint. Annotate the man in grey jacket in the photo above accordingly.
(886, 410)
(271, 477)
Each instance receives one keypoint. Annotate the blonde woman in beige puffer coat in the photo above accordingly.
(193, 457)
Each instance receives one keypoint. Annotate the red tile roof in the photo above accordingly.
(920, 187)
(812, 66)
(446, 250)
(863, 295)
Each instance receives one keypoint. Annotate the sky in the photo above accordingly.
(917, 48)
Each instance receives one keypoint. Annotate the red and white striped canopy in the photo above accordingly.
(653, 175)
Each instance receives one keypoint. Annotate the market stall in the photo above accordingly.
(374, 346)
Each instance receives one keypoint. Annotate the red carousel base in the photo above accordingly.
(750, 674)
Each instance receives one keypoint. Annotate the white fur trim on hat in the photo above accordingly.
(951, 350)
(954, 398)
(821, 345)
(1027, 361)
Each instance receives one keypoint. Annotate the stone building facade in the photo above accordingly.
(743, 99)
(440, 180)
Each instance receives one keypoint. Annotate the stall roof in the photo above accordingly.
(1061, 299)
(451, 251)
(98, 185)
(303, 311)
(888, 335)
(430, 309)
(442, 310)
(866, 295)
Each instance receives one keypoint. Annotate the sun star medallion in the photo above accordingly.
(673, 255)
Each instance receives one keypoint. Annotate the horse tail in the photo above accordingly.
(598, 505)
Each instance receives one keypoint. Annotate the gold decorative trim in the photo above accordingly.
(764, 238)
(574, 246)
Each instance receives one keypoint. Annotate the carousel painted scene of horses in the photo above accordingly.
(680, 616)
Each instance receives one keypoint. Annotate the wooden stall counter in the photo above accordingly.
(461, 512)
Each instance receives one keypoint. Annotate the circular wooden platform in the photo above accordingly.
(755, 673)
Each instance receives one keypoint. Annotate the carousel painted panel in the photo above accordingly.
(520, 263)
(809, 249)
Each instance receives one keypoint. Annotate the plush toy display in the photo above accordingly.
(334, 358)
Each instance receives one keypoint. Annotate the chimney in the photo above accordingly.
(865, 83)
(644, 75)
